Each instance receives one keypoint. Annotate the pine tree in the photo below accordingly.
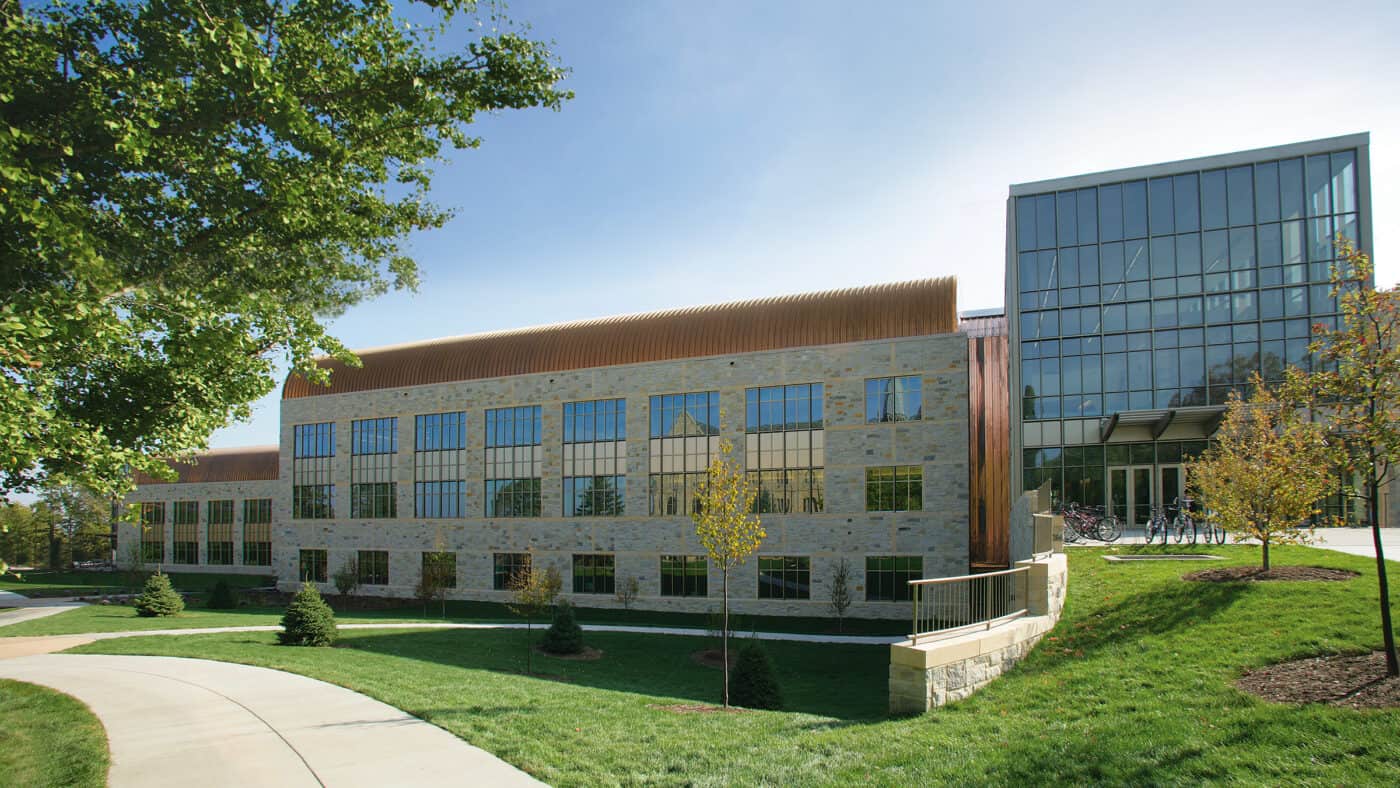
(564, 636)
(753, 685)
(308, 621)
(158, 598)
(222, 597)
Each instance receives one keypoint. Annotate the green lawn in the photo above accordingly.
(1134, 686)
(42, 582)
(49, 739)
(121, 618)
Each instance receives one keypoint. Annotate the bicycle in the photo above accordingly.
(1157, 525)
(1183, 524)
(1081, 522)
(1210, 530)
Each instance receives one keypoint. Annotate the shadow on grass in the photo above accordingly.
(1168, 607)
(842, 681)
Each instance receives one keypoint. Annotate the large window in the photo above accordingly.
(219, 515)
(439, 465)
(684, 439)
(894, 488)
(887, 576)
(152, 533)
(1171, 291)
(313, 459)
(508, 569)
(186, 528)
(595, 458)
(373, 566)
(894, 399)
(443, 565)
(374, 443)
(785, 447)
(593, 574)
(311, 566)
(257, 532)
(684, 575)
(785, 577)
(514, 457)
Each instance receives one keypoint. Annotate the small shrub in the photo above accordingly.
(753, 684)
(628, 589)
(564, 636)
(158, 598)
(308, 621)
(222, 597)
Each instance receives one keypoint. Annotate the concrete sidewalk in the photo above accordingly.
(26, 609)
(1358, 541)
(183, 722)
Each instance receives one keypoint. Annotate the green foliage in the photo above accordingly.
(222, 597)
(308, 621)
(158, 598)
(564, 636)
(532, 592)
(753, 685)
(840, 599)
(729, 530)
(191, 189)
(347, 577)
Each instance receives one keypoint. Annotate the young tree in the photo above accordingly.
(628, 589)
(729, 530)
(193, 188)
(533, 591)
(1356, 385)
(308, 620)
(158, 598)
(435, 579)
(347, 577)
(1266, 471)
(841, 592)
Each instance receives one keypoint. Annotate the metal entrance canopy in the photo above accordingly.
(1157, 420)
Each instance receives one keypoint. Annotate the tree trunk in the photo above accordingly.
(724, 638)
(1266, 553)
(529, 663)
(1392, 665)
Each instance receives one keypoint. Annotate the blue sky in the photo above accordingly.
(718, 151)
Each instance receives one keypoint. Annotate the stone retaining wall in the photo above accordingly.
(932, 673)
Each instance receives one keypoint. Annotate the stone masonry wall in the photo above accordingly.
(938, 442)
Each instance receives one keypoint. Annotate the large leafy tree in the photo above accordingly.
(189, 188)
(1356, 386)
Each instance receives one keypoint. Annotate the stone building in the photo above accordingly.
(580, 446)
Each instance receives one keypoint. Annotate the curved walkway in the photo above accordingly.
(29, 609)
(182, 722)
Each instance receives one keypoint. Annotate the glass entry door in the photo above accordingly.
(1131, 491)
(1171, 484)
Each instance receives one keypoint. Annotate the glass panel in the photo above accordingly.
(1319, 174)
(1110, 213)
(1160, 202)
(1135, 209)
(1025, 223)
(1213, 203)
(1266, 192)
(1241, 189)
(1045, 221)
(1290, 183)
(1088, 216)
(1344, 182)
(1067, 220)
(1187, 198)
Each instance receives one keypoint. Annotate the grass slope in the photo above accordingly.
(120, 618)
(42, 582)
(49, 739)
(1134, 686)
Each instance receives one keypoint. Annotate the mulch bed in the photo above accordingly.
(695, 708)
(1357, 682)
(589, 654)
(1234, 574)
(713, 657)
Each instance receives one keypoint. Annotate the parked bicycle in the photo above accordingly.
(1084, 523)
(1183, 527)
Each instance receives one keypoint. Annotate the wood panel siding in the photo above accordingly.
(989, 457)
(890, 311)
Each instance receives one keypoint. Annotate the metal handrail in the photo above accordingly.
(945, 605)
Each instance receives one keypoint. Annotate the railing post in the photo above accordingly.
(918, 591)
(987, 611)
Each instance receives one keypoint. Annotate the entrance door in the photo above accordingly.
(1131, 494)
(1171, 484)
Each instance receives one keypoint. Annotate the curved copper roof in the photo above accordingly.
(244, 464)
(903, 309)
